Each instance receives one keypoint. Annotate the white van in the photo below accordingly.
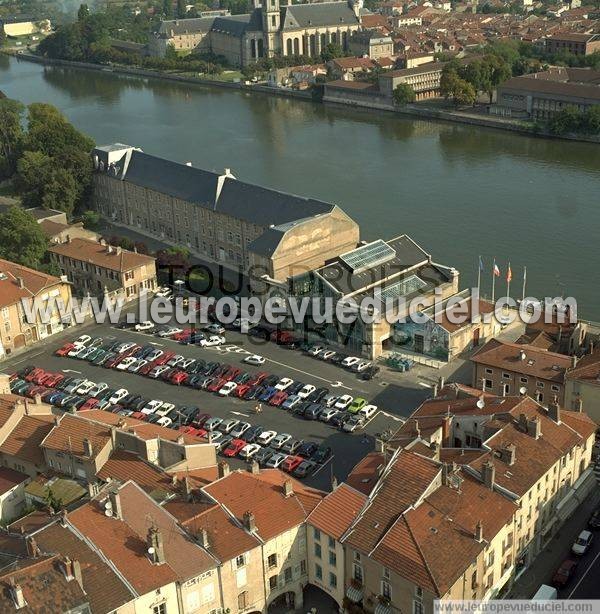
(545, 593)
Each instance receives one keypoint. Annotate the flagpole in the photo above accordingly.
(524, 281)
(494, 281)
(479, 276)
(508, 278)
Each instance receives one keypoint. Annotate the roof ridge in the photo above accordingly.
(418, 547)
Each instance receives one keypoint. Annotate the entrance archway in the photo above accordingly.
(283, 604)
(323, 602)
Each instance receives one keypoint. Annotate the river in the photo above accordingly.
(459, 191)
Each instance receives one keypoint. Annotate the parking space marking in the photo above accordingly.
(16, 362)
(282, 364)
(329, 460)
(425, 385)
(584, 575)
(71, 371)
(396, 418)
(240, 413)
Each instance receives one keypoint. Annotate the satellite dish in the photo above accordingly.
(480, 403)
(108, 505)
(108, 513)
(522, 390)
(151, 550)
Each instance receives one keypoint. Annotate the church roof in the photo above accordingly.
(318, 15)
(183, 26)
(235, 25)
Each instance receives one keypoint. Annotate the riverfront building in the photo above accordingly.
(218, 217)
(269, 30)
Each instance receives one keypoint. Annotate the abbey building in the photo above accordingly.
(269, 30)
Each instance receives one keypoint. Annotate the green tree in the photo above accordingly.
(83, 13)
(566, 120)
(464, 93)
(331, 51)
(404, 94)
(167, 8)
(11, 135)
(21, 238)
(90, 219)
(496, 70)
(448, 81)
(181, 9)
(591, 120)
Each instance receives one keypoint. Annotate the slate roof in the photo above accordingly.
(235, 25)
(318, 14)
(185, 26)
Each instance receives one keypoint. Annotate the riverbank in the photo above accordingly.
(418, 111)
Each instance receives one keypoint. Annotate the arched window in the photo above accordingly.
(261, 48)
(253, 48)
(333, 37)
(344, 40)
(313, 45)
(289, 47)
(296, 46)
(323, 41)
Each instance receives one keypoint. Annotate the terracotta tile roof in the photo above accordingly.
(124, 541)
(580, 422)
(353, 63)
(118, 259)
(45, 587)
(365, 473)
(30, 523)
(68, 436)
(587, 369)
(225, 537)
(105, 590)
(34, 282)
(52, 228)
(25, 439)
(198, 477)
(123, 466)
(402, 484)
(9, 478)
(537, 363)
(262, 495)
(463, 310)
(337, 511)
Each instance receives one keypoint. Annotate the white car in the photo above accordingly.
(212, 424)
(154, 355)
(78, 349)
(249, 450)
(316, 350)
(255, 359)
(368, 411)
(156, 371)
(283, 383)
(227, 389)
(126, 363)
(582, 543)
(124, 347)
(214, 436)
(265, 438)
(151, 407)
(176, 360)
(144, 326)
(278, 441)
(85, 387)
(164, 421)
(82, 340)
(327, 354)
(275, 460)
(139, 363)
(169, 331)
(212, 341)
(98, 389)
(240, 429)
(188, 362)
(343, 401)
(87, 350)
(163, 291)
(327, 414)
(165, 409)
(349, 361)
(216, 329)
(306, 391)
(228, 425)
(119, 394)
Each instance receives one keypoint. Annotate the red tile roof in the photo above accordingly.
(34, 282)
(365, 473)
(25, 439)
(68, 436)
(9, 478)
(336, 512)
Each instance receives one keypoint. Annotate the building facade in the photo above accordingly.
(576, 44)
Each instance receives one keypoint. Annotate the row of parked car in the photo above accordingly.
(231, 437)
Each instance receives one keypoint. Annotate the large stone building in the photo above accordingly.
(572, 42)
(218, 217)
(543, 94)
(269, 30)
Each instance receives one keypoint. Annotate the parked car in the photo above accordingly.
(355, 406)
(249, 450)
(252, 433)
(305, 468)
(215, 328)
(369, 373)
(234, 447)
(144, 326)
(594, 520)
(212, 341)
(307, 449)
(265, 438)
(283, 383)
(322, 454)
(353, 423)
(329, 400)
(276, 460)
(327, 413)
(313, 411)
(254, 359)
(212, 424)
(228, 425)
(169, 331)
(350, 360)
(126, 363)
(121, 393)
(306, 391)
(368, 411)
(227, 389)
(263, 455)
(240, 429)
(582, 543)
(291, 463)
(344, 401)
(277, 442)
(291, 401)
(291, 445)
(564, 573)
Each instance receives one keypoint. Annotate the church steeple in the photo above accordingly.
(271, 12)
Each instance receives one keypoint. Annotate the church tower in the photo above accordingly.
(271, 13)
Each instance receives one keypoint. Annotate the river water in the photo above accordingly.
(459, 191)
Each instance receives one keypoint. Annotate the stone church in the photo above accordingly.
(271, 29)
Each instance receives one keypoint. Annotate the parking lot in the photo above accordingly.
(394, 400)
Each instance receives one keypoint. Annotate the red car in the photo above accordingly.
(241, 390)
(200, 419)
(39, 377)
(179, 377)
(164, 359)
(278, 398)
(36, 390)
(291, 463)
(216, 384)
(147, 368)
(231, 373)
(35, 373)
(234, 447)
(564, 573)
(53, 380)
(91, 403)
(139, 415)
(64, 350)
(258, 378)
(193, 431)
(184, 334)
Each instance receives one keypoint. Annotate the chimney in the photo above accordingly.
(32, 548)
(441, 382)
(479, 531)
(63, 518)
(76, 567)
(488, 474)
(435, 448)
(227, 172)
(224, 469)
(417, 429)
(113, 435)
(204, 541)
(574, 360)
(68, 239)
(88, 449)
(250, 521)
(445, 429)
(509, 454)
(17, 594)
(579, 405)
(254, 468)
(522, 355)
(187, 485)
(20, 282)
(288, 488)
(435, 390)
(181, 440)
(156, 549)
(174, 480)
(115, 500)
(534, 427)
(554, 410)
(37, 399)
(67, 566)
(93, 489)
(118, 251)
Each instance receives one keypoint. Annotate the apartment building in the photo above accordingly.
(571, 42)
(424, 80)
(582, 386)
(371, 43)
(98, 268)
(508, 369)
(20, 284)
(219, 218)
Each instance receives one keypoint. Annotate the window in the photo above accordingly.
(474, 580)
(332, 558)
(487, 383)
(523, 380)
(357, 556)
(243, 600)
(287, 575)
(417, 607)
(332, 543)
(160, 609)
(318, 550)
(491, 558)
(386, 573)
(554, 388)
(488, 371)
(317, 534)
(272, 561)
(318, 572)
(303, 567)
(240, 561)
(540, 384)
(358, 573)
(386, 589)
(506, 375)
(273, 582)
(332, 580)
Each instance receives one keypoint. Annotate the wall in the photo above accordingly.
(12, 502)
(587, 392)
(335, 590)
(247, 578)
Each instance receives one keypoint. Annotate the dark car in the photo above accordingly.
(263, 455)
(594, 521)
(290, 447)
(564, 573)
(305, 469)
(307, 449)
(313, 411)
(337, 359)
(254, 392)
(322, 454)
(317, 395)
(369, 372)
(295, 388)
(340, 418)
(252, 433)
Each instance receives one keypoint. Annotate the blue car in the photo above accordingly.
(267, 394)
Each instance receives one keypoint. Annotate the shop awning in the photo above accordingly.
(383, 608)
(354, 594)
